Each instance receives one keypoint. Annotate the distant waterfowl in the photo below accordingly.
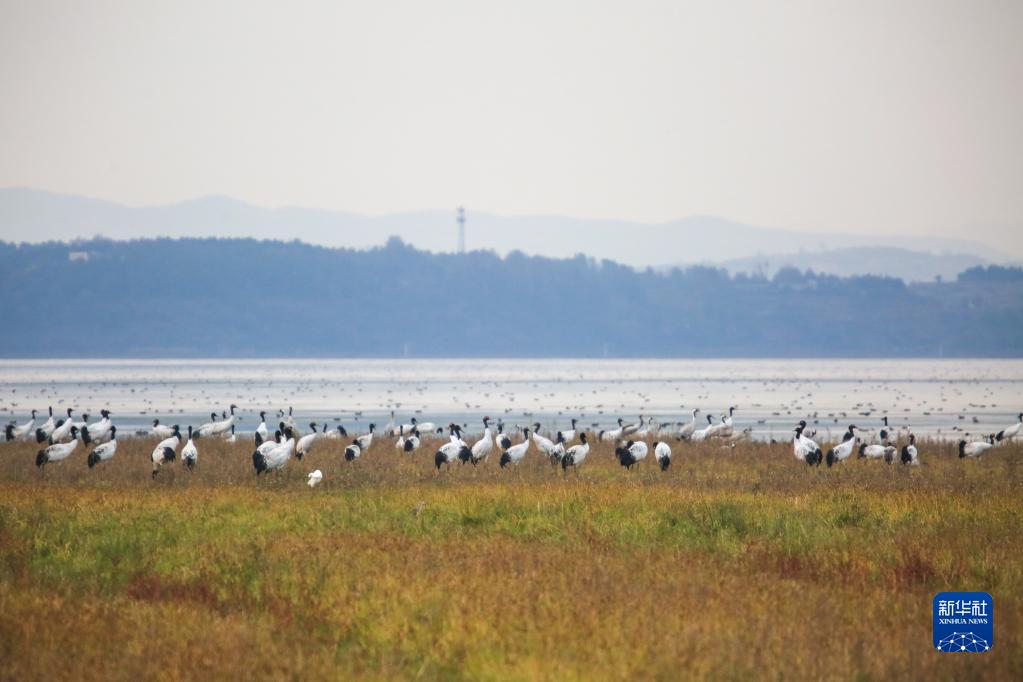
(23, 432)
(662, 455)
(516, 453)
(105, 451)
(576, 455)
(231, 438)
(58, 452)
(314, 478)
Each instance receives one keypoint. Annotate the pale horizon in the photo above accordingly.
(824, 117)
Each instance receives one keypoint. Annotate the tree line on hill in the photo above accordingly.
(249, 298)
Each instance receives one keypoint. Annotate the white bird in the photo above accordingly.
(843, 450)
(277, 457)
(264, 447)
(63, 429)
(314, 478)
(878, 451)
(411, 442)
(724, 429)
(190, 453)
(366, 440)
(264, 433)
(631, 452)
(503, 440)
(576, 454)
(687, 430)
(306, 442)
(173, 440)
(165, 451)
(98, 432)
(425, 427)
(58, 452)
(804, 448)
(353, 452)
(706, 432)
(881, 435)
(232, 438)
(613, 434)
(909, 453)
(516, 453)
(15, 432)
(452, 450)
(481, 449)
(974, 449)
(105, 451)
(289, 419)
(1004, 434)
(45, 430)
(545, 445)
(217, 427)
(745, 434)
(568, 435)
(644, 428)
(662, 454)
(631, 428)
(161, 430)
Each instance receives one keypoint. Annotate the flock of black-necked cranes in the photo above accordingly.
(569, 447)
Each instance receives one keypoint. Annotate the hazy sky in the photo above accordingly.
(851, 116)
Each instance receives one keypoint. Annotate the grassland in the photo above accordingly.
(734, 564)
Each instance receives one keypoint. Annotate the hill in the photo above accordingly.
(906, 264)
(242, 297)
(36, 216)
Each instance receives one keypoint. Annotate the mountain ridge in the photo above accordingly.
(33, 215)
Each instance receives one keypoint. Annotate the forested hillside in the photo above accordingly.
(242, 297)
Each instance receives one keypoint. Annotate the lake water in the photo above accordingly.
(934, 397)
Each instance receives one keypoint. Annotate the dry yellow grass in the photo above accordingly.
(733, 564)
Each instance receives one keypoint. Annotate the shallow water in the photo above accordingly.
(933, 397)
